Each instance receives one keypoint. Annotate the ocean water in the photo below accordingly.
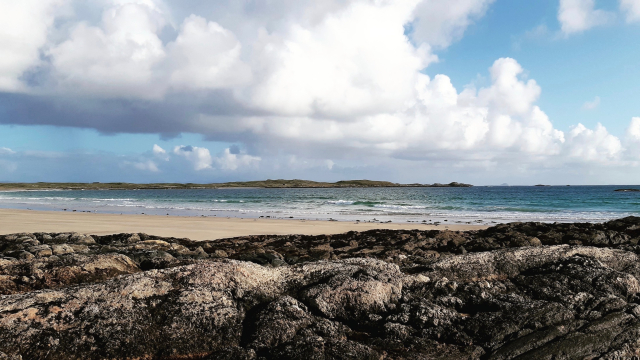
(455, 205)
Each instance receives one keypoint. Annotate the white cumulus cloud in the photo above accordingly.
(160, 153)
(24, 26)
(632, 140)
(115, 59)
(310, 80)
(354, 61)
(206, 56)
(158, 150)
(501, 116)
(632, 9)
(633, 131)
(440, 22)
(199, 157)
(230, 161)
(576, 16)
(593, 145)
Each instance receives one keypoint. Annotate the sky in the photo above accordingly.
(478, 91)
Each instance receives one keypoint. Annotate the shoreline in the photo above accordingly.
(195, 228)
(479, 206)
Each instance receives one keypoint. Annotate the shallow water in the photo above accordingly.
(456, 205)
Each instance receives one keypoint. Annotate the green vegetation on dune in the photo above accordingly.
(239, 184)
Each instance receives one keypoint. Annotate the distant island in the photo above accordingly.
(238, 184)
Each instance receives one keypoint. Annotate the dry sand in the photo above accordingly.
(196, 228)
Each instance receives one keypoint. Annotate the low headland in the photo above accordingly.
(512, 291)
(237, 184)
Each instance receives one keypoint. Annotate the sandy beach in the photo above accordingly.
(196, 228)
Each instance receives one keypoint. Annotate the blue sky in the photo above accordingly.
(571, 70)
(480, 91)
(73, 139)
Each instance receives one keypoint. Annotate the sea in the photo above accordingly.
(474, 205)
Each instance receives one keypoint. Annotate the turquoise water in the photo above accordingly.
(476, 204)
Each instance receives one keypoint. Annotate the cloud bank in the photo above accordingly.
(328, 82)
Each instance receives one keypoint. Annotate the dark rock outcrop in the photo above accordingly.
(522, 290)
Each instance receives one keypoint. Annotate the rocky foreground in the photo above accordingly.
(515, 291)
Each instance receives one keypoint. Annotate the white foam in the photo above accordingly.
(340, 202)
(399, 207)
(396, 208)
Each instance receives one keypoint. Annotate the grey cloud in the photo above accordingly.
(174, 115)
(234, 149)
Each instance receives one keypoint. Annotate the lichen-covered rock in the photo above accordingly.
(522, 290)
(183, 311)
(62, 249)
(279, 323)
(23, 275)
(355, 292)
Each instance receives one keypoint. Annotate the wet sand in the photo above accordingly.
(196, 228)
